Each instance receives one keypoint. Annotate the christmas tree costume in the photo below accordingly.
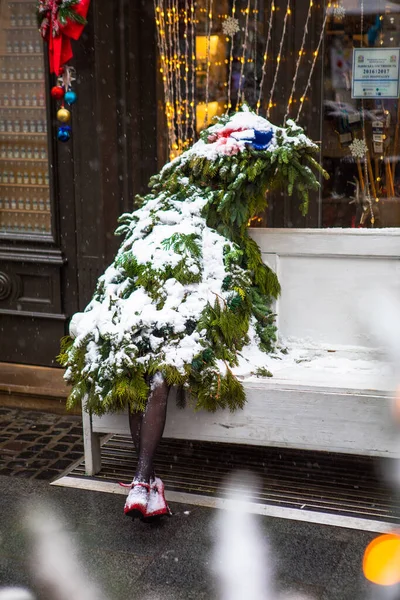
(188, 294)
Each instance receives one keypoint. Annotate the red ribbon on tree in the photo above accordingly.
(59, 22)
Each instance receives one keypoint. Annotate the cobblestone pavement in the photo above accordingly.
(38, 445)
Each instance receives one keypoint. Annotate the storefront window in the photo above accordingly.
(210, 53)
(295, 60)
(360, 135)
(24, 176)
(234, 53)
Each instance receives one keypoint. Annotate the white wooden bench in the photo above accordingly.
(337, 397)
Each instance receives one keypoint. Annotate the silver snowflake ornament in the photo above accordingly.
(339, 12)
(230, 26)
(358, 148)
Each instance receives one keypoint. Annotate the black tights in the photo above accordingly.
(147, 428)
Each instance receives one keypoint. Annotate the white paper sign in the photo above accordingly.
(375, 73)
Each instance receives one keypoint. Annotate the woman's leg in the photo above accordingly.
(135, 424)
(147, 499)
(148, 429)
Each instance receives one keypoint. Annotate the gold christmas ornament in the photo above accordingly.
(63, 115)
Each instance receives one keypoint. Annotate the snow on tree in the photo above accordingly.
(188, 295)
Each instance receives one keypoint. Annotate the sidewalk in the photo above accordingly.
(171, 561)
(132, 560)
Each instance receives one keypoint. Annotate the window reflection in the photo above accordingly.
(364, 187)
(24, 177)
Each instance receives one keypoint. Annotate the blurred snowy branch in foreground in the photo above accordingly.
(15, 593)
(380, 314)
(242, 559)
(384, 327)
(55, 564)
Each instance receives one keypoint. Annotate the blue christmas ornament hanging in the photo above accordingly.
(70, 97)
(64, 133)
(64, 92)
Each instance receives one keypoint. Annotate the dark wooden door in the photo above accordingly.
(94, 178)
(32, 316)
(113, 152)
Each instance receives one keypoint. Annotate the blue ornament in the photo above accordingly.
(64, 133)
(70, 97)
(260, 140)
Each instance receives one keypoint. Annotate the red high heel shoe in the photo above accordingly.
(157, 505)
(137, 500)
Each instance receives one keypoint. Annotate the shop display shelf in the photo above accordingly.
(11, 54)
(4, 134)
(24, 185)
(24, 210)
(18, 81)
(20, 27)
(31, 160)
(22, 108)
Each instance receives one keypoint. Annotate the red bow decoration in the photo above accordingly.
(59, 22)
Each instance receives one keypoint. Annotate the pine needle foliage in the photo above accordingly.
(66, 12)
(109, 367)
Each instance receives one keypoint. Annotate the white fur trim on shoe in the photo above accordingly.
(138, 498)
(157, 504)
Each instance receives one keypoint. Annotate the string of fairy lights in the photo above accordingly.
(278, 59)
(192, 19)
(209, 59)
(314, 63)
(173, 14)
(243, 57)
(213, 57)
(232, 33)
(298, 62)
(165, 71)
(265, 58)
(255, 53)
(192, 39)
(186, 39)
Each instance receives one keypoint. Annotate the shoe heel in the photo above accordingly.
(134, 514)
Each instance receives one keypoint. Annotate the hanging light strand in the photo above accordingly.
(229, 102)
(264, 66)
(169, 55)
(165, 70)
(316, 53)
(278, 58)
(163, 66)
(193, 86)
(186, 77)
(243, 57)
(177, 71)
(301, 52)
(210, 15)
(255, 46)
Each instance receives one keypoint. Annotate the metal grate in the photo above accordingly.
(336, 484)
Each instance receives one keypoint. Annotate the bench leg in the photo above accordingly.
(91, 444)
